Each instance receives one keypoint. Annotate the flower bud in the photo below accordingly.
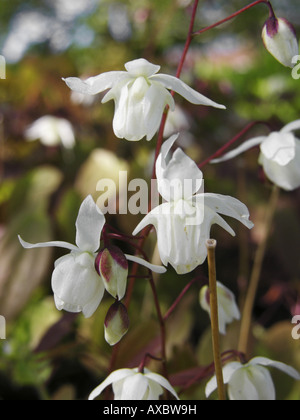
(111, 264)
(116, 323)
(227, 307)
(279, 37)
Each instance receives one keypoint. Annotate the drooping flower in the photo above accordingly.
(279, 156)
(279, 37)
(51, 131)
(130, 384)
(76, 284)
(183, 222)
(227, 307)
(251, 381)
(140, 96)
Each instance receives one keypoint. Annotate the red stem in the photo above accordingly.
(244, 9)
(220, 152)
(178, 73)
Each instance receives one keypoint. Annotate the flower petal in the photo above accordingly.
(251, 384)
(76, 284)
(95, 84)
(134, 387)
(59, 244)
(286, 177)
(115, 376)
(228, 371)
(177, 175)
(295, 125)
(264, 361)
(141, 67)
(279, 147)
(162, 382)
(228, 206)
(155, 268)
(89, 225)
(156, 99)
(177, 85)
(249, 144)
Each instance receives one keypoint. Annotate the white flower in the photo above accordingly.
(76, 284)
(227, 307)
(279, 156)
(280, 40)
(140, 96)
(251, 381)
(130, 384)
(183, 222)
(51, 131)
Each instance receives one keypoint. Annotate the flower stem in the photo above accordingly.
(244, 9)
(220, 151)
(211, 256)
(178, 73)
(255, 275)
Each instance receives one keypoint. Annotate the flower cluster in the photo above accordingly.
(182, 222)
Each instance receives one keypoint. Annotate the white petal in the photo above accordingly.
(58, 244)
(295, 125)
(134, 387)
(141, 67)
(156, 100)
(228, 371)
(279, 147)
(155, 268)
(286, 177)
(154, 391)
(76, 284)
(177, 175)
(249, 144)
(228, 206)
(251, 383)
(115, 376)
(173, 83)
(96, 84)
(163, 382)
(89, 225)
(264, 361)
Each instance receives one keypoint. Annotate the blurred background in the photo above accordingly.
(47, 169)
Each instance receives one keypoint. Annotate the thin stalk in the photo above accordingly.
(211, 256)
(255, 275)
(244, 9)
(178, 73)
(226, 146)
(162, 327)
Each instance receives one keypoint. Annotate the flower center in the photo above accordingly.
(139, 88)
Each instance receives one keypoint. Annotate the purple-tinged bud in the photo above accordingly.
(111, 264)
(279, 38)
(116, 323)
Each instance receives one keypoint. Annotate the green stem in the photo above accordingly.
(255, 275)
(211, 257)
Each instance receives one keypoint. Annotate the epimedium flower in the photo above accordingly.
(130, 384)
(76, 284)
(183, 221)
(251, 381)
(140, 96)
(279, 156)
(51, 131)
(227, 307)
(279, 38)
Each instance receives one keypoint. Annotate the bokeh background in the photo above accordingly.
(55, 355)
